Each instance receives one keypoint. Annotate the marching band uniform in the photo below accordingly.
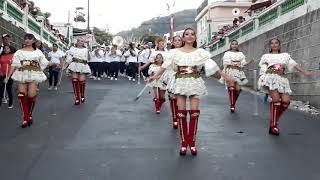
(106, 68)
(29, 68)
(77, 59)
(233, 63)
(97, 58)
(273, 68)
(132, 61)
(114, 64)
(188, 82)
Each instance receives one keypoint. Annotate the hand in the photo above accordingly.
(308, 73)
(64, 67)
(6, 80)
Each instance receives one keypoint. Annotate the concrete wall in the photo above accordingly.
(301, 38)
(15, 32)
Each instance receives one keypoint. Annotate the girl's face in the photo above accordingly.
(159, 59)
(234, 45)
(7, 50)
(275, 45)
(189, 36)
(28, 42)
(161, 45)
(177, 42)
(80, 42)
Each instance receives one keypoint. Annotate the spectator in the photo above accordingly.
(249, 17)
(235, 23)
(6, 41)
(5, 66)
(241, 20)
(56, 58)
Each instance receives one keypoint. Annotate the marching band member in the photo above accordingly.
(131, 55)
(28, 64)
(77, 59)
(56, 57)
(122, 63)
(114, 56)
(187, 62)
(106, 68)
(233, 63)
(158, 86)
(273, 67)
(97, 58)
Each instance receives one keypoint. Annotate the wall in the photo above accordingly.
(301, 38)
(15, 32)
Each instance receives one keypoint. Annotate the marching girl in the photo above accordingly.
(158, 86)
(114, 57)
(28, 64)
(187, 62)
(170, 76)
(77, 62)
(233, 63)
(273, 66)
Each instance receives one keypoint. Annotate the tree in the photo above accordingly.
(102, 37)
(150, 37)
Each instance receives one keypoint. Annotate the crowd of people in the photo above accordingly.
(174, 70)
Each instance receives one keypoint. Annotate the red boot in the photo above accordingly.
(173, 112)
(157, 104)
(183, 129)
(232, 95)
(275, 111)
(82, 86)
(24, 108)
(31, 103)
(76, 91)
(193, 126)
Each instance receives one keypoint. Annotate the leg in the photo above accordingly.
(50, 77)
(116, 70)
(174, 108)
(76, 88)
(1, 88)
(193, 124)
(285, 102)
(156, 99)
(9, 92)
(232, 95)
(22, 88)
(237, 92)
(32, 95)
(275, 108)
(56, 78)
(82, 87)
(183, 127)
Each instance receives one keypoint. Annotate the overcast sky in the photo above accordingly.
(117, 15)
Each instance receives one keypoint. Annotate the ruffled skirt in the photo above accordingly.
(188, 87)
(29, 76)
(81, 68)
(269, 81)
(157, 84)
(168, 78)
(237, 74)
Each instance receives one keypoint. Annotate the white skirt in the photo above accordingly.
(237, 74)
(168, 78)
(79, 68)
(157, 84)
(188, 87)
(29, 76)
(269, 81)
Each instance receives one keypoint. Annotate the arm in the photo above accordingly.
(144, 66)
(303, 71)
(157, 75)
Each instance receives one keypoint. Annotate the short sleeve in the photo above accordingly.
(43, 61)
(168, 60)
(263, 64)
(226, 59)
(242, 59)
(210, 67)
(16, 60)
(291, 63)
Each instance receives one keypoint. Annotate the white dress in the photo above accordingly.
(190, 86)
(78, 67)
(153, 69)
(233, 63)
(26, 73)
(274, 81)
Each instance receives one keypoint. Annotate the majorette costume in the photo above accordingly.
(233, 63)
(29, 68)
(153, 69)
(77, 58)
(273, 68)
(188, 82)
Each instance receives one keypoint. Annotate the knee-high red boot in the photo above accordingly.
(76, 91)
(157, 104)
(275, 111)
(31, 104)
(24, 108)
(82, 85)
(183, 129)
(193, 126)
(232, 95)
(237, 94)
(173, 112)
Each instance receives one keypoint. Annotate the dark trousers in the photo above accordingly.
(53, 76)
(122, 67)
(8, 89)
(97, 68)
(91, 64)
(145, 70)
(133, 69)
(106, 68)
(114, 69)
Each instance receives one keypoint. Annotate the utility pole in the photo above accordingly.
(88, 25)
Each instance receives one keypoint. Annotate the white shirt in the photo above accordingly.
(131, 58)
(116, 57)
(97, 57)
(56, 56)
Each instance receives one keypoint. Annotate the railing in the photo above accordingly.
(34, 26)
(265, 18)
(1, 4)
(15, 13)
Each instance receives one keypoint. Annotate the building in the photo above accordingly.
(214, 14)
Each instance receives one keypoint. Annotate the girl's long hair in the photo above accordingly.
(177, 36)
(12, 49)
(195, 44)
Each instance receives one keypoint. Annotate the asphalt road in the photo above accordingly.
(111, 137)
